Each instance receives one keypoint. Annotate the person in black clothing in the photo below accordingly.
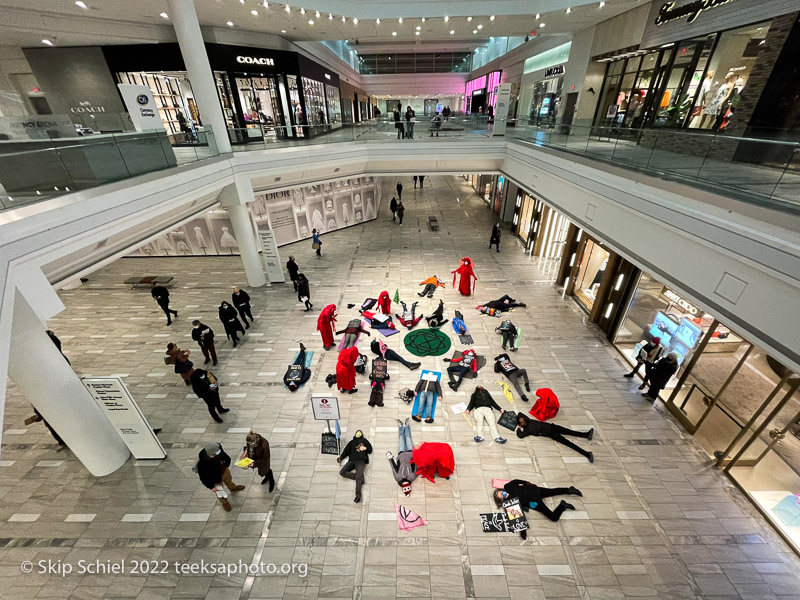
(531, 496)
(648, 355)
(502, 304)
(528, 426)
(494, 240)
(393, 208)
(380, 348)
(660, 374)
(230, 320)
(509, 332)
(241, 300)
(503, 364)
(213, 469)
(297, 374)
(204, 336)
(436, 318)
(399, 188)
(482, 403)
(161, 296)
(415, 182)
(401, 210)
(57, 343)
(303, 291)
(293, 269)
(357, 452)
(460, 365)
(421, 181)
(206, 387)
(398, 122)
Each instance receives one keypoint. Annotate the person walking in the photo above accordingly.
(316, 243)
(648, 355)
(204, 336)
(393, 208)
(241, 300)
(303, 291)
(357, 453)
(293, 269)
(411, 118)
(256, 448)
(213, 469)
(161, 296)
(398, 122)
(415, 182)
(429, 390)
(660, 375)
(401, 210)
(421, 181)
(399, 188)
(179, 358)
(527, 426)
(206, 387)
(494, 240)
(230, 320)
(482, 403)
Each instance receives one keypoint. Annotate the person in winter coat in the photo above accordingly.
(204, 336)
(411, 118)
(256, 448)
(503, 364)
(326, 325)
(495, 238)
(180, 358)
(241, 300)
(297, 374)
(527, 426)
(351, 333)
(648, 355)
(293, 269)
(357, 453)
(393, 208)
(660, 375)
(161, 296)
(509, 332)
(346, 370)
(482, 403)
(303, 291)
(436, 318)
(213, 469)
(230, 320)
(206, 387)
(401, 210)
(503, 304)
(460, 365)
(398, 122)
(399, 188)
(531, 496)
(403, 468)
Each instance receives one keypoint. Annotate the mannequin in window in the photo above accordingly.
(597, 278)
(703, 99)
(714, 107)
(725, 115)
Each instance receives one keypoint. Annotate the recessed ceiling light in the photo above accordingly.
(491, 18)
(416, 33)
(330, 16)
(469, 19)
(288, 9)
(47, 42)
(355, 21)
(302, 11)
(602, 4)
(317, 14)
(394, 33)
(344, 19)
(265, 4)
(480, 26)
(81, 4)
(537, 16)
(418, 27)
(423, 19)
(378, 21)
(311, 21)
(452, 31)
(164, 15)
(254, 13)
(400, 20)
(569, 9)
(474, 31)
(283, 31)
(541, 24)
(446, 18)
(230, 23)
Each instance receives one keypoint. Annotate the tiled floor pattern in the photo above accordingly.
(656, 520)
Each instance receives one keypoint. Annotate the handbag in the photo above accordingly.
(168, 360)
(315, 245)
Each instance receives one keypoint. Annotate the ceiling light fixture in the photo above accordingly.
(288, 8)
(537, 16)
(541, 24)
(469, 19)
(423, 19)
(283, 31)
(480, 26)
(81, 4)
(602, 4)
(452, 31)
(265, 4)
(47, 42)
(491, 18)
(355, 21)
(302, 11)
(394, 34)
(475, 31)
(317, 14)
(378, 21)
(418, 27)
(330, 16)
(416, 33)
(311, 21)
(446, 18)
(230, 23)
(254, 13)
(569, 9)
(400, 20)
(164, 15)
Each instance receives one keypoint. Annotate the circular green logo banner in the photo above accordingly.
(427, 342)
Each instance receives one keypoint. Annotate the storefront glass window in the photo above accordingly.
(683, 81)
(593, 263)
(334, 110)
(298, 118)
(314, 96)
(545, 101)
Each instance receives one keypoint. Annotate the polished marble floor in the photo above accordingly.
(655, 521)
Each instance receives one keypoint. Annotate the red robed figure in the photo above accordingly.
(326, 324)
(466, 285)
(385, 303)
(346, 369)
(434, 458)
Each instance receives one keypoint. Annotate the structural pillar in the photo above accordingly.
(190, 40)
(234, 199)
(48, 382)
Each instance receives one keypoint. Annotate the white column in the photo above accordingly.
(234, 198)
(48, 382)
(190, 39)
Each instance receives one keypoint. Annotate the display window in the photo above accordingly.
(498, 194)
(523, 216)
(592, 266)
(334, 106)
(545, 101)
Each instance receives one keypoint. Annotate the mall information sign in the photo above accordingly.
(269, 253)
(501, 110)
(326, 408)
(141, 107)
(116, 402)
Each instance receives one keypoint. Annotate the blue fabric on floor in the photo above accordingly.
(415, 408)
(309, 357)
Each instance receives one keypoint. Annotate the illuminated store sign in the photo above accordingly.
(669, 12)
(554, 71)
(252, 60)
(674, 298)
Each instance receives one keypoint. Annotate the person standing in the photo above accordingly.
(482, 403)
(37, 417)
(241, 300)
(303, 291)
(256, 448)
(161, 296)
(415, 182)
(399, 188)
(293, 269)
(421, 181)
(398, 122)
(401, 210)
(212, 468)
(180, 358)
(660, 375)
(204, 336)
(57, 344)
(357, 452)
(346, 370)
(393, 208)
(206, 387)
(230, 320)
(429, 390)
(648, 355)
(495, 238)
(316, 243)
(411, 118)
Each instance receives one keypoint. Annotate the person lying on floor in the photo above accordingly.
(509, 332)
(408, 319)
(431, 283)
(460, 365)
(297, 373)
(380, 348)
(436, 319)
(527, 426)
(531, 497)
(351, 333)
(403, 469)
(501, 304)
(429, 390)
(503, 364)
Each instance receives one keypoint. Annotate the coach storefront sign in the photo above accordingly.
(255, 60)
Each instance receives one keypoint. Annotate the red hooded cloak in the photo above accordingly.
(385, 303)
(433, 458)
(346, 369)
(546, 406)
(466, 285)
(326, 324)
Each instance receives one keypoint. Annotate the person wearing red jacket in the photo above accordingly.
(346, 370)
(460, 365)
(326, 325)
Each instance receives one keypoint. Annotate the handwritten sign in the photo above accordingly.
(329, 444)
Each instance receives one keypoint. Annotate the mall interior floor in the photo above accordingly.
(656, 520)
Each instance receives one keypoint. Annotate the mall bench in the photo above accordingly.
(446, 130)
(149, 280)
(433, 223)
